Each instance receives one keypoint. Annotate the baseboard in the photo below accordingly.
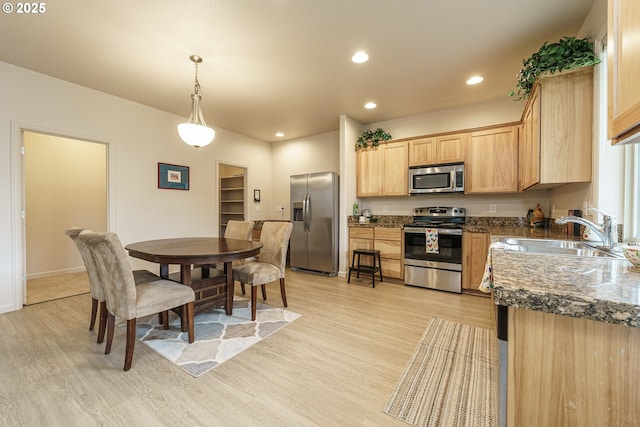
(55, 273)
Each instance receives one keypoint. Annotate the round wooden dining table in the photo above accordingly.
(213, 288)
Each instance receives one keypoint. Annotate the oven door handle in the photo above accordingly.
(424, 230)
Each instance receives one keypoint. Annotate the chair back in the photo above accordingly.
(240, 230)
(275, 241)
(114, 272)
(90, 265)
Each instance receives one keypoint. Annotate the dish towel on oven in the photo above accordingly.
(487, 279)
(431, 235)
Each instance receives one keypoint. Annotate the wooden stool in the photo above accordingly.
(360, 268)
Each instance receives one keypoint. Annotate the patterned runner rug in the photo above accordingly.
(218, 337)
(451, 379)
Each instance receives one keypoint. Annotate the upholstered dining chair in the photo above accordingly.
(95, 288)
(235, 229)
(126, 300)
(271, 262)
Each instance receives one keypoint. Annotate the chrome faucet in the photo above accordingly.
(608, 233)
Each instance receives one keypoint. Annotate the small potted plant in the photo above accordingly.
(567, 54)
(372, 138)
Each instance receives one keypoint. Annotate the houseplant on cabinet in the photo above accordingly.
(567, 54)
(372, 138)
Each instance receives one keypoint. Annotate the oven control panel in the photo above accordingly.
(439, 211)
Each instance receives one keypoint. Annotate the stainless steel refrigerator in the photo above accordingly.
(314, 213)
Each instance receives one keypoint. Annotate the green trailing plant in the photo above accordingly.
(372, 138)
(567, 54)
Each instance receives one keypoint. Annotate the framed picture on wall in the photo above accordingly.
(173, 177)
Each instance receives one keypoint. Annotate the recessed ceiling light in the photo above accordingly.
(279, 134)
(360, 57)
(370, 105)
(475, 80)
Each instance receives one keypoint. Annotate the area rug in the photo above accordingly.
(218, 337)
(451, 379)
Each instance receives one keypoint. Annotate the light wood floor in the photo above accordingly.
(59, 286)
(335, 366)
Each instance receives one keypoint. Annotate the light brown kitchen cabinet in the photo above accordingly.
(437, 150)
(492, 161)
(360, 238)
(377, 170)
(623, 51)
(555, 147)
(474, 258)
(566, 371)
(387, 240)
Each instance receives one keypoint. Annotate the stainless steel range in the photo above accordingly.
(433, 248)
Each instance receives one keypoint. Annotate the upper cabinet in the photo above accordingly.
(492, 161)
(555, 142)
(437, 150)
(382, 170)
(623, 47)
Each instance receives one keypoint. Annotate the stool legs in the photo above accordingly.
(371, 269)
(353, 260)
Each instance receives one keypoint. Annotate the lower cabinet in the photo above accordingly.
(474, 258)
(387, 240)
(565, 371)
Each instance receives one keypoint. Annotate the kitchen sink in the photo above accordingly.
(560, 247)
(544, 243)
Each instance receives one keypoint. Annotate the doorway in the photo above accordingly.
(65, 185)
(232, 187)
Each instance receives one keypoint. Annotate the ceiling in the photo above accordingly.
(285, 65)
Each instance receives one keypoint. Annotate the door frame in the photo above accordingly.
(18, 227)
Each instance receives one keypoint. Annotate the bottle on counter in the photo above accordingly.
(356, 210)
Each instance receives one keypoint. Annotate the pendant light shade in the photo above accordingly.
(195, 131)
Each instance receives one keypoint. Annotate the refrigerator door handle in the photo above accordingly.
(306, 213)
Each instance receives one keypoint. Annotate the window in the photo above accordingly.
(631, 193)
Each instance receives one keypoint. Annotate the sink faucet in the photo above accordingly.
(608, 233)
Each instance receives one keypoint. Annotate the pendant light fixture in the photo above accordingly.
(195, 131)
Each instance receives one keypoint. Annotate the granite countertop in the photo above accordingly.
(602, 289)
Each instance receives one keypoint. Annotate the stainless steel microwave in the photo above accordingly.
(437, 179)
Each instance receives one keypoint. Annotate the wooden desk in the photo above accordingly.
(214, 290)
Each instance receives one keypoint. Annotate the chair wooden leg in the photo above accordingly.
(254, 295)
(188, 308)
(282, 292)
(264, 292)
(183, 321)
(111, 320)
(94, 312)
(131, 343)
(165, 319)
(102, 321)
(160, 319)
(242, 288)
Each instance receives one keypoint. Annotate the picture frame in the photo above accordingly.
(256, 195)
(173, 177)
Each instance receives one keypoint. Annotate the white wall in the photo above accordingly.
(138, 137)
(316, 153)
(65, 183)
